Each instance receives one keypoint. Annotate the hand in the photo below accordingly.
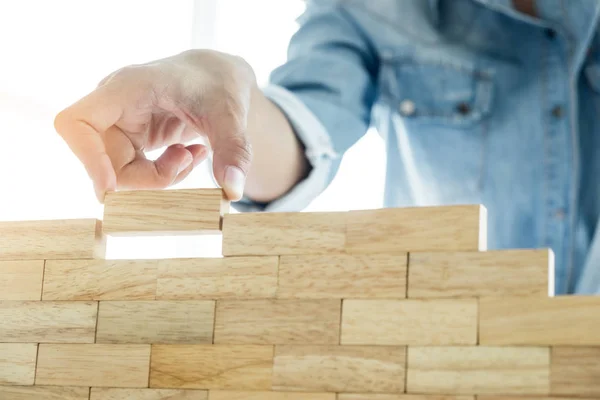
(167, 102)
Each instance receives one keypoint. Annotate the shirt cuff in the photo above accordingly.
(318, 150)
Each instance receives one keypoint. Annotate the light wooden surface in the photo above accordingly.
(17, 363)
(409, 322)
(43, 393)
(564, 320)
(21, 280)
(342, 276)
(477, 274)
(51, 239)
(147, 394)
(478, 370)
(283, 233)
(247, 367)
(278, 321)
(235, 395)
(217, 278)
(576, 371)
(339, 369)
(102, 365)
(100, 280)
(373, 396)
(450, 228)
(156, 321)
(188, 211)
(47, 321)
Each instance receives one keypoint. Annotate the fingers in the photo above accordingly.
(199, 154)
(81, 125)
(172, 166)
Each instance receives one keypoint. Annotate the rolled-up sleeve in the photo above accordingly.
(326, 89)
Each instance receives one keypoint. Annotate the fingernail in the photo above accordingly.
(185, 163)
(234, 182)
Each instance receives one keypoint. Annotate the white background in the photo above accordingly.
(54, 52)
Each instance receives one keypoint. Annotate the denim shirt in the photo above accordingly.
(476, 103)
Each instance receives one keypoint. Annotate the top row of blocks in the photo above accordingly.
(198, 211)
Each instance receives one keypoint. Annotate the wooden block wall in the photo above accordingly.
(397, 304)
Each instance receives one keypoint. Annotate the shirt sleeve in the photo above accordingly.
(326, 89)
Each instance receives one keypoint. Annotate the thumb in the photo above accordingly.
(232, 158)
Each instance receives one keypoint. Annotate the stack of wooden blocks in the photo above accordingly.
(389, 304)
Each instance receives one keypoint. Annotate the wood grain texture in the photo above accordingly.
(248, 367)
(21, 280)
(479, 370)
(101, 365)
(534, 321)
(278, 321)
(514, 397)
(52, 239)
(217, 278)
(339, 369)
(339, 276)
(409, 322)
(409, 229)
(235, 395)
(43, 393)
(575, 371)
(187, 211)
(100, 280)
(47, 321)
(17, 363)
(372, 396)
(156, 321)
(477, 274)
(147, 394)
(283, 233)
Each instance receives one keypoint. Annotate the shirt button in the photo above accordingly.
(407, 108)
(559, 214)
(550, 33)
(557, 112)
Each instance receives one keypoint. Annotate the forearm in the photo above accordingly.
(278, 161)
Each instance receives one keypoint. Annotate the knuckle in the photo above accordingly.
(62, 121)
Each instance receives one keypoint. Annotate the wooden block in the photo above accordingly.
(47, 322)
(493, 397)
(230, 395)
(477, 274)
(339, 368)
(371, 396)
(342, 276)
(51, 239)
(212, 367)
(217, 278)
(535, 321)
(575, 371)
(17, 363)
(479, 370)
(278, 321)
(409, 322)
(417, 229)
(283, 233)
(102, 365)
(21, 280)
(147, 394)
(182, 211)
(156, 321)
(43, 393)
(100, 280)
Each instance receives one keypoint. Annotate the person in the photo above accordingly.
(492, 102)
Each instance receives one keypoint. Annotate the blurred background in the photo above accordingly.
(55, 52)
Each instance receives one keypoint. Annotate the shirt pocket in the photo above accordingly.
(436, 92)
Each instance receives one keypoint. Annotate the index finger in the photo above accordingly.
(81, 125)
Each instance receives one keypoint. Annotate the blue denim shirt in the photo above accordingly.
(476, 102)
